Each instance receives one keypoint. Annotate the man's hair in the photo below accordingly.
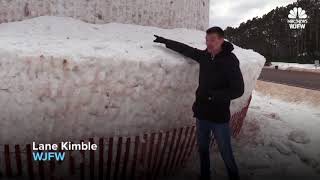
(216, 30)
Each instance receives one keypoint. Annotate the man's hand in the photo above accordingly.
(159, 39)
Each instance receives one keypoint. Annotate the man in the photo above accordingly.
(220, 81)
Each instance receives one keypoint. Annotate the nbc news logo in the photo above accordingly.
(297, 18)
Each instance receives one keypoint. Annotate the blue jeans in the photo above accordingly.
(221, 132)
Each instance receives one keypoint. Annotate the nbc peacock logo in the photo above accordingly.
(297, 18)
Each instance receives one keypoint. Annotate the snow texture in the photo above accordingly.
(285, 66)
(296, 95)
(64, 79)
(299, 137)
(263, 150)
(296, 67)
(192, 14)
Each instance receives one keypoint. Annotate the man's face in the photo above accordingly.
(214, 42)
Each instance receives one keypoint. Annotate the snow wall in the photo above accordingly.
(191, 14)
(62, 79)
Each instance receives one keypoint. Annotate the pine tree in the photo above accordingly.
(271, 36)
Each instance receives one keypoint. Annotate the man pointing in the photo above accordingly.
(220, 81)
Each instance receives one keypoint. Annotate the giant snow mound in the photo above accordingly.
(63, 79)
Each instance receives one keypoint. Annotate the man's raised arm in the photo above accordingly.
(179, 47)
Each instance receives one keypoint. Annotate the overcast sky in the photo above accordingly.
(225, 13)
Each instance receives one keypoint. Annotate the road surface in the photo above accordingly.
(307, 80)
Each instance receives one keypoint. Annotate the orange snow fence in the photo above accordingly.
(136, 157)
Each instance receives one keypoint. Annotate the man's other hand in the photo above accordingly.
(159, 39)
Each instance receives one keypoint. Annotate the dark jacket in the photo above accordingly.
(220, 80)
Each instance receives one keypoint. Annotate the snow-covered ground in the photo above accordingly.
(291, 94)
(279, 140)
(293, 66)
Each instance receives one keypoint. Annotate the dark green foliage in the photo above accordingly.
(271, 36)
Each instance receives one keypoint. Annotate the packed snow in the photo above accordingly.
(279, 140)
(192, 14)
(64, 79)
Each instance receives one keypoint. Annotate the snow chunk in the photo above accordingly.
(61, 77)
(303, 155)
(299, 136)
(281, 147)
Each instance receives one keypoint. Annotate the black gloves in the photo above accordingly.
(159, 39)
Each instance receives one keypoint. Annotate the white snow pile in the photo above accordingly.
(294, 66)
(63, 79)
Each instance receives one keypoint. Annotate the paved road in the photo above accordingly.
(307, 80)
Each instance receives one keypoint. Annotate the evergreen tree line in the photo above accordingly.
(271, 36)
